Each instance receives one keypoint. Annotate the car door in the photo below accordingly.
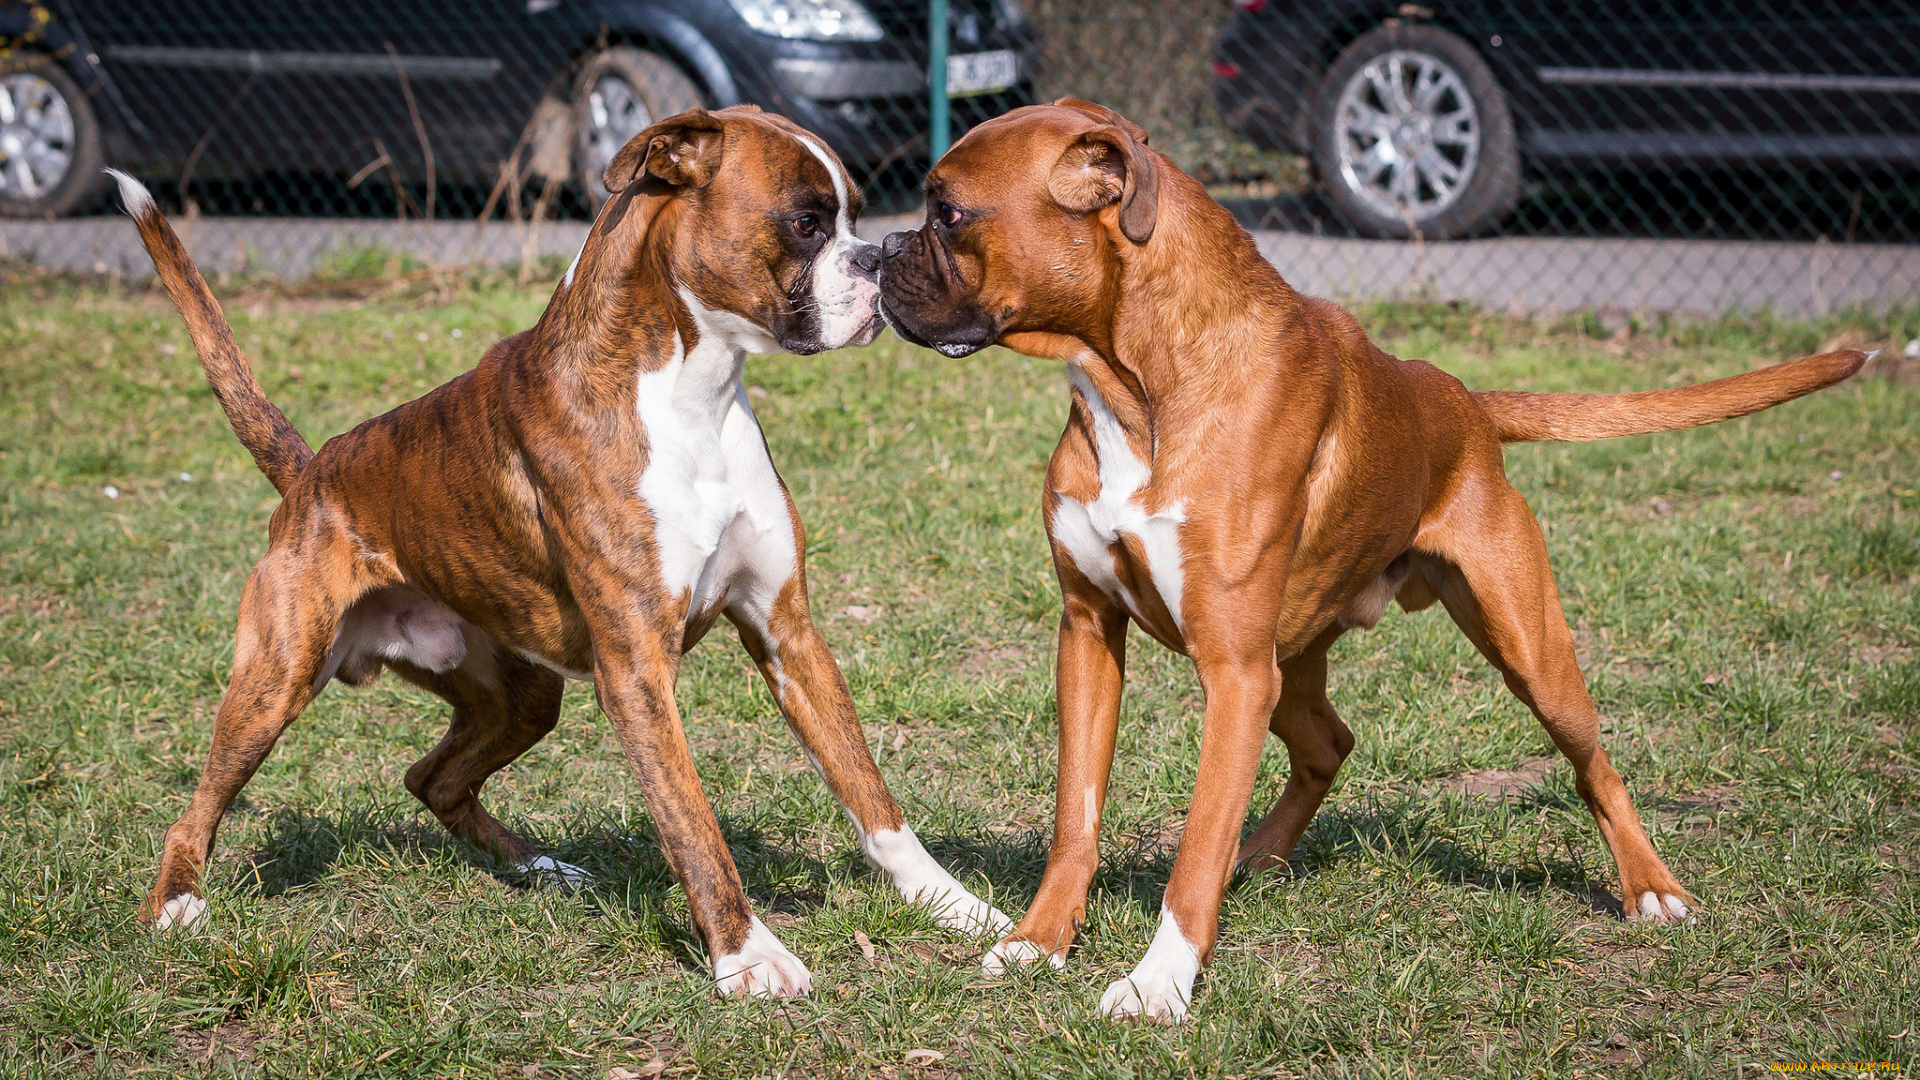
(1732, 81)
(1577, 75)
(1819, 80)
(163, 57)
(473, 72)
(318, 84)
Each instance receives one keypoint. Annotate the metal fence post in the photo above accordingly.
(941, 113)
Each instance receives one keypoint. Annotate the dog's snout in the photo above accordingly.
(866, 259)
(894, 244)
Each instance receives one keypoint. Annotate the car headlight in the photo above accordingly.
(809, 20)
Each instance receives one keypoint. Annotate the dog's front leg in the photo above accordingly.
(1242, 686)
(813, 696)
(1093, 649)
(633, 677)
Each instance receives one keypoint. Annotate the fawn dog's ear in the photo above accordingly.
(1105, 165)
(1106, 116)
(679, 153)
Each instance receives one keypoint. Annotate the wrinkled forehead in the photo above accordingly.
(784, 163)
(1022, 143)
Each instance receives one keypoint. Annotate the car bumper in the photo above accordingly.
(870, 132)
(871, 101)
(848, 80)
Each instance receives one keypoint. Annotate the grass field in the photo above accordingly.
(1743, 597)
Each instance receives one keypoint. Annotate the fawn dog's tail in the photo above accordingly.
(263, 429)
(1523, 417)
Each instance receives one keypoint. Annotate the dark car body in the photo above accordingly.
(237, 87)
(1723, 81)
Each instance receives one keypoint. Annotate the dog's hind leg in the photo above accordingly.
(288, 613)
(1317, 743)
(1491, 572)
(502, 706)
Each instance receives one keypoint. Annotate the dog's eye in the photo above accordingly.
(807, 226)
(948, 214)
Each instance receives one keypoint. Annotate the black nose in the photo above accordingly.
(867, 259)
(892, 245)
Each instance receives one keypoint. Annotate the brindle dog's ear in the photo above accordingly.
(679, 152)
(1108, 165)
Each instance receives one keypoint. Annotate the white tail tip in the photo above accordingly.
(133, 194)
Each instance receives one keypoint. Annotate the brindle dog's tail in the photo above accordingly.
(1522, 417)
(263, 429)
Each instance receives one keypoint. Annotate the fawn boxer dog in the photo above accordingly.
(584, 504)
(1247, 477)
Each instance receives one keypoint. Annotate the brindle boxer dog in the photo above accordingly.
(584, 504)
(1247, 477)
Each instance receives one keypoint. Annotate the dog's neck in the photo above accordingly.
(1192, 323)
(620, 312)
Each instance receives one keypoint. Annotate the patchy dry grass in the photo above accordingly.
(1743, 596)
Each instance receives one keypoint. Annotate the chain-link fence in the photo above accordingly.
(1659, 154)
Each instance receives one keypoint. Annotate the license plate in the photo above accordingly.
(982, 73)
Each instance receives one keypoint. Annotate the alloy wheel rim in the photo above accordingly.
(1408, 135)
(614, 114)
(36, 137)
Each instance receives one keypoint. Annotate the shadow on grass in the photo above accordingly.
(632, 880)
(1423, 829)
(1412, 828)
(631, 874)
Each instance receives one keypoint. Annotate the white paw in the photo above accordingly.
(1017, 953)
(552, 871)
(957, 909)
(762, 968)
(898, 853)
(1659, 908)
(1161, 987)
(183, 912)
(1160, 1000)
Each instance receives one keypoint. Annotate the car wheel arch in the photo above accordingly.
(674, 38)
(81, 182)
(1357, 20)
(1492, 190)
(1365, 21)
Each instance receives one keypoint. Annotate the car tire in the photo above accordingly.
(50, 153)
(622, 91)
(1447, 164)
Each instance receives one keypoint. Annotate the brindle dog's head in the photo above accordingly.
(1026, 218)
(758, 221)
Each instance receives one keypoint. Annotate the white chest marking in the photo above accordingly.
(1089, 531)
(721, 523)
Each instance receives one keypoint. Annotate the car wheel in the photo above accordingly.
(621, 92)
(50, 153)
(1411, 135)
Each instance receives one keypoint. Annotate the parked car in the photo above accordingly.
(1421, 117)
(236, 88)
